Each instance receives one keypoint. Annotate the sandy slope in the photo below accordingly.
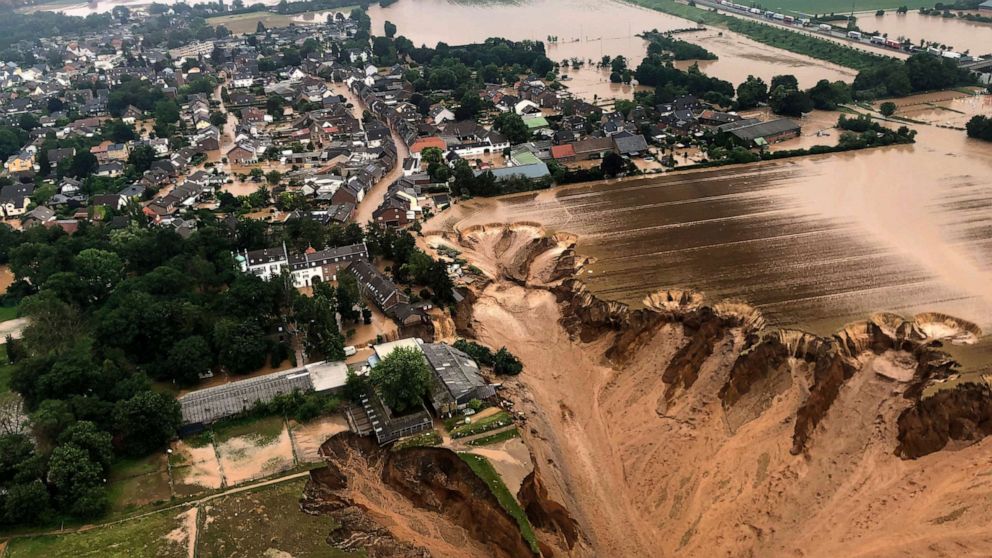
(645, 476)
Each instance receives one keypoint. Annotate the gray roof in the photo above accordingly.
(532, 171)
(457, 376)
(749, 130)
(630, 143)
(210, 404)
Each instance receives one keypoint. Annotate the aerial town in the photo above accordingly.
(452, 278)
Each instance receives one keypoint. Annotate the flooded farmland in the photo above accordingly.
(587, 29)
(813, 243)
(960, 34)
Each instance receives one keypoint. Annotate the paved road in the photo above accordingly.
(863, 45)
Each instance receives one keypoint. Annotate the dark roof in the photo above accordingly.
(751, 131)
(457, 376)
(630, 143)
(375, 284)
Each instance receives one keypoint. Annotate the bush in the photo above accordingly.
(506, 363)
(482, 355)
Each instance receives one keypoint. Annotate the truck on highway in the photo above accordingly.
(856, 35)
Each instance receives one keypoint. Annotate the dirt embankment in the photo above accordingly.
(416, 502)
(687, 428)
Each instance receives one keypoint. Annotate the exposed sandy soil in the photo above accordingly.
(511, 459)
(185, 534)
(394, 512)
(6, 278)
(308, 437)
(243, 458)
(194, 469)
(647, 469)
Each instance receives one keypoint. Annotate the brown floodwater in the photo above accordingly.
(813, 242)
(589, 29)
(958, 33)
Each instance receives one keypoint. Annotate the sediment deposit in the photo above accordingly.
(689, 428)
(420, 502)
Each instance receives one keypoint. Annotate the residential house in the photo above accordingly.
(15, 198)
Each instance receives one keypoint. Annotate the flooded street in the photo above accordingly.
(587, 30)
(813, 243)
(960, 34)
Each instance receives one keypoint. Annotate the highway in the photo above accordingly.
(837, 36)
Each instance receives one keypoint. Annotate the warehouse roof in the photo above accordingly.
(750, 130)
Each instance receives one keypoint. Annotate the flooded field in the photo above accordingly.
(960, 34)
(813, 243)
(587, 30)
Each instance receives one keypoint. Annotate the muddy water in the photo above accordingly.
(959, 33)
(589, 29)
(814, 243)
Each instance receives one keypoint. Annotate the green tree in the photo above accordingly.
(141, 157)
(51, 418)
(888, 108)
(348, 297)
(146, 422)
(390, 29)
(77, 480)
(83, 164)
(787, 81)
(189, 358)
(504, 362)
(511, 125)
(402, 378)
(790, 102)
(100, 272)
(612, 165)
(86, 436)
(273, 177)
(751, 92)
(25, 503)
(241, 344)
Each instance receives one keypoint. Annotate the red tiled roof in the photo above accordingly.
(562, 151)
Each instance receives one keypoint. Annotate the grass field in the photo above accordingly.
(496, 438)
(262, 430)
(264, 522)
(144, 537)
(484, 469)
(778, 37)
(842, 6)
(241, 24)
(492, 422)
(7, 313)
(139, 482)
(5, 371)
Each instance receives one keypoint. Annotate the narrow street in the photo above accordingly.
(375, 196)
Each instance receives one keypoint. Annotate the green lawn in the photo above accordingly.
(138, 482)
(263, 431)
(492, 422)
(841, 6)
(265, 522)
(7, 313)
(496, 438)
(424, 439)
(484, 469)
(144, 537)
(6, 370)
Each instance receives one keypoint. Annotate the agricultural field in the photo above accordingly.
(240, 24)
(138, 482)
(842, 6)
(252, 449)
(160, 535)
(264, 522)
